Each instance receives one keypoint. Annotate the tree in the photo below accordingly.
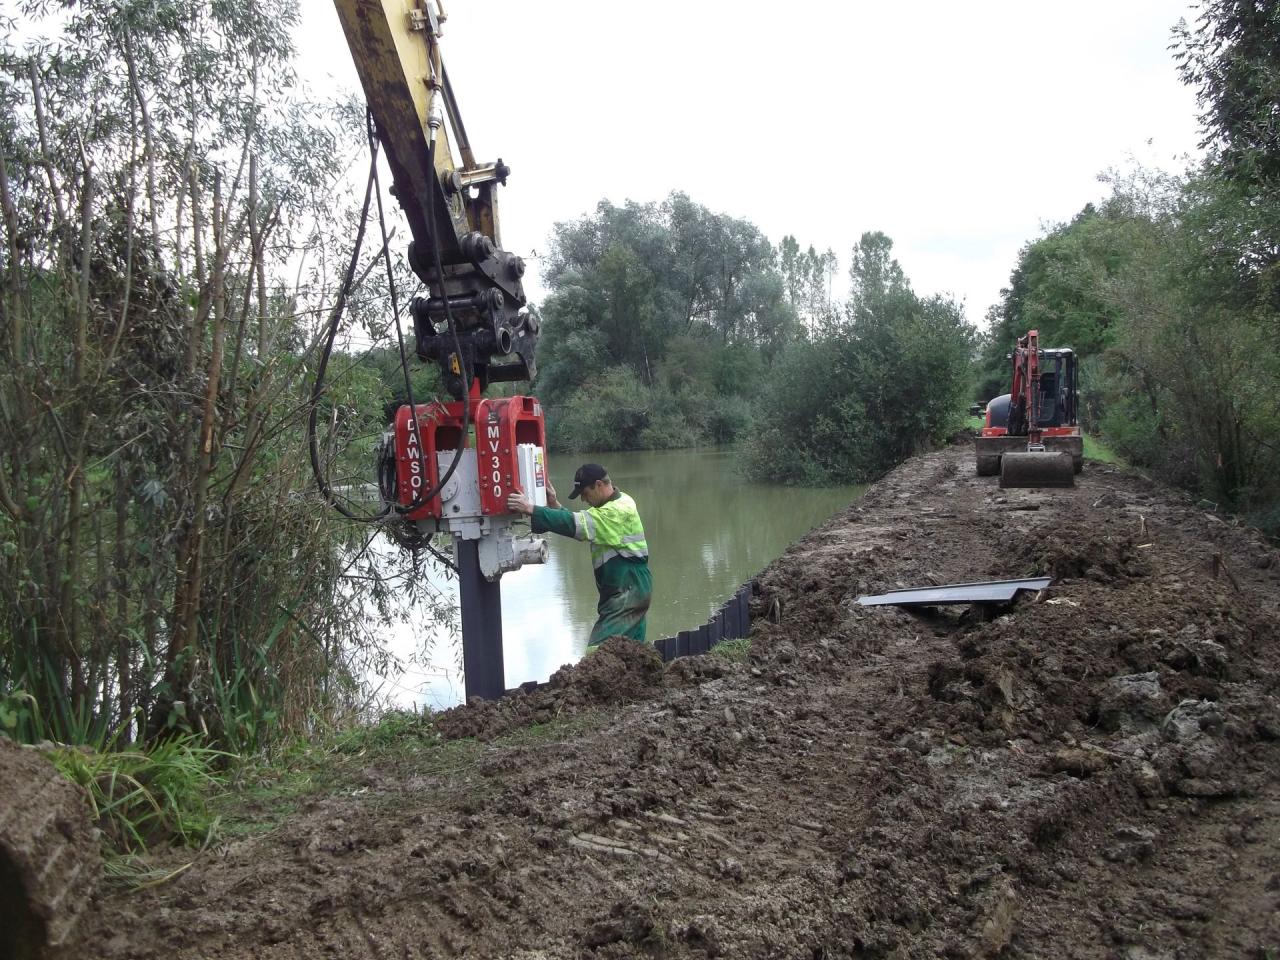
(662, 290)
(1193, 376)
(1059, 288)
(1177, 343)
(876, 384)
(161, 559)
(874, 275)
(1232, 57)
(806, 276)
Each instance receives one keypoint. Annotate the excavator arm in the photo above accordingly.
(1024, 409)
(473, 313)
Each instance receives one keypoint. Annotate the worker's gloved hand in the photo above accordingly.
(519, 503)
(552, 500)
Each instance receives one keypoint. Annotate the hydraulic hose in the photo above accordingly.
(372, 187)
(317, 390)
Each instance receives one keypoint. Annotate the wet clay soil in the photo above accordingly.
(1092, 773)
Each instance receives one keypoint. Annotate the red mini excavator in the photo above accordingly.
(1031, 437)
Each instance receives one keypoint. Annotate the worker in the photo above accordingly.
(619, 551)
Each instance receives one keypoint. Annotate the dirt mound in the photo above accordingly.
(1092, 773)
(1068, 555)
(621, 670)
(49, 857)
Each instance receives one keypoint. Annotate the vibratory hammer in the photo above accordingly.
(448, 467)
(504, 453)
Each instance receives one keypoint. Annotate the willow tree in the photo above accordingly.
(169, 236)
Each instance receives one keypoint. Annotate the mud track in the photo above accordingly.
(1093, 773)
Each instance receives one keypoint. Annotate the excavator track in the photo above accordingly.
(49, 855)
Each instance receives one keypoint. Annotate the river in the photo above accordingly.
(708, 531)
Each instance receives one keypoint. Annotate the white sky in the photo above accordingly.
(957, 128)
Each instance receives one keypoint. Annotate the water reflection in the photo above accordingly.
(708, 531)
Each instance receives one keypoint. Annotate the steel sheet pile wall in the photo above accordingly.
(731, 622)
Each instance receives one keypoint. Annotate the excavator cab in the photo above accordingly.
(1058, 397)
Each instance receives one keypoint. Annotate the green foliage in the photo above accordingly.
(721, 419)
(1180, 372)
(173, 210)
(807, 277)
(617, 412)
(1195, 373)
(35, 706)
(20, 716)
(793, 419)
(736, 651)
(667, 312)
(1095, 449)
(266, 790)
(1232, 58)
(871, 388)
(245, 693)
(670, 326)
(141, 798)
(390, 728)
(1059, 288)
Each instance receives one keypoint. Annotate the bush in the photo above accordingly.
(789, 432)
(726, 419)
(877, 385)
(618, 412)
(610, 414)
(668, 430)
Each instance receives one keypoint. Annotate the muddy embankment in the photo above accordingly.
(1093, 773)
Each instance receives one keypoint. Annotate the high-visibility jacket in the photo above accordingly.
(613, 529)
(620, 556)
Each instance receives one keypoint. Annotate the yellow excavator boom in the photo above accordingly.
(476, 295)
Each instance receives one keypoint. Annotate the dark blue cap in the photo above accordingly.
(587, 474)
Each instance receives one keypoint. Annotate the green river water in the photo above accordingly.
(708, 531)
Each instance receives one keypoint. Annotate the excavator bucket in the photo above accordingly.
(1037, 469)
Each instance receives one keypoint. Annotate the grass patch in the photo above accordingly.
(392, 728)
(553, 731)
(265, 791)
(1095, 449)
(976, 423)
(147, 796)
(261, 795)
(399, 745)
(735, 650)
(132, 872)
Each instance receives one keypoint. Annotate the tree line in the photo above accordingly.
(669, 325)
(1169, 288)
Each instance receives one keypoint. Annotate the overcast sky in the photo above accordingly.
(957, 128)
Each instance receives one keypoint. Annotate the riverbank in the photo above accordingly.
(1092, 774)
(708, 530)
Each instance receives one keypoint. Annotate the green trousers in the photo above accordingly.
(623, 606)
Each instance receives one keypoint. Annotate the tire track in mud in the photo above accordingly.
(1052, 782)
